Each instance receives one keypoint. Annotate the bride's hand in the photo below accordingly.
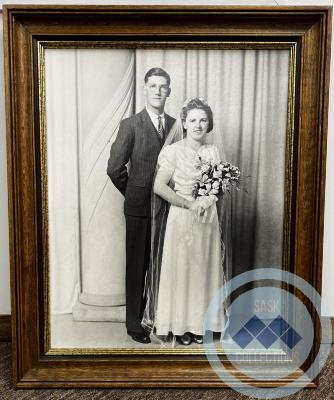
(206, 202)
(200, 207)
(196, 208)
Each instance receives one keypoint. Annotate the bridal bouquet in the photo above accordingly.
(215, 178)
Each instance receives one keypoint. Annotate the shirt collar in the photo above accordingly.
(155, 116)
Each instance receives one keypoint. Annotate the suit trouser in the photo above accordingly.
(138, 244)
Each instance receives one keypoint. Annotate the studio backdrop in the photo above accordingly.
(89, 92)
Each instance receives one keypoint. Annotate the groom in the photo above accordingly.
(139, 140)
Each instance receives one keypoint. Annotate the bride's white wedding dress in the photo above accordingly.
(191, 268)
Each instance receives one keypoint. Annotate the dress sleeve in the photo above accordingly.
(166, 159)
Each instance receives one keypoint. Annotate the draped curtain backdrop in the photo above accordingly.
(247, 90)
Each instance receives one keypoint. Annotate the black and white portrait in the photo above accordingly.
(136, 249)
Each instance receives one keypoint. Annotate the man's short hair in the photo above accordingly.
(157, 72)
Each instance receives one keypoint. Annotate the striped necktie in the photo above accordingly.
(161, 130)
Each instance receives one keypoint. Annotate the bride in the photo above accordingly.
(186, 266)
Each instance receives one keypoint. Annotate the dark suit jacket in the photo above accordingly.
(137, 141)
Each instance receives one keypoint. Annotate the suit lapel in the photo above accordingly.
(147, 122)
(151, 128)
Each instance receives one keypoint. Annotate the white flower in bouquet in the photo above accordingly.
(202, 192)
(205, 167)
(215, 178)
(217, 174)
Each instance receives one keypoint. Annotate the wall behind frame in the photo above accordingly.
(328, 255)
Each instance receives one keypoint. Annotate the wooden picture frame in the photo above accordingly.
(306, 31)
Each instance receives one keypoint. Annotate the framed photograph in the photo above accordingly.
(120, 237)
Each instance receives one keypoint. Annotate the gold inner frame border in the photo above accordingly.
(292, 46)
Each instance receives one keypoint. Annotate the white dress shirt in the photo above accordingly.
(154, 119)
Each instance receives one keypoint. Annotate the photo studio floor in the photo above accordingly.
(67, 333)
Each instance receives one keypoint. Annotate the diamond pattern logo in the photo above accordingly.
(255, 328)
(291, 338)
(267, 338)
(243, 338)
(279, 326)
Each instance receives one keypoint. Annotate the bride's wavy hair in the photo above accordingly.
(200, 104)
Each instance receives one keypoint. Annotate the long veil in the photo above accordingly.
(159, 213)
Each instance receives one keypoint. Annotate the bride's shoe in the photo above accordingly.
(198, 339)
(185, 339)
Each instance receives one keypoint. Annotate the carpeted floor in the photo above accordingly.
(324, 392)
